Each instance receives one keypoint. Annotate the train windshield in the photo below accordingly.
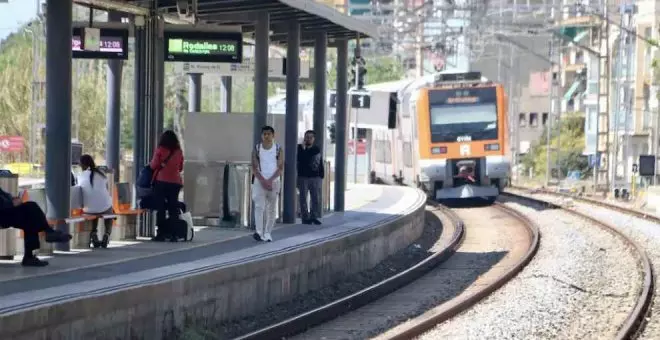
(465, 122)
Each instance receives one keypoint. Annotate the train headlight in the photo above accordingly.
(492, 147)
(436, 150)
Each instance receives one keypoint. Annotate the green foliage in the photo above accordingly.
(379, 70)
(572, 145)
(89, 95)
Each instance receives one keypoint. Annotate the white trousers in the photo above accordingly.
(265, 207)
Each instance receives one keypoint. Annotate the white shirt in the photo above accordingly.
(268, 161)
(96, 199)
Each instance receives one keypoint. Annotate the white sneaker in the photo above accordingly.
(268, 238)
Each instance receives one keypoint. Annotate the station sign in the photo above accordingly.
(361, 147)
(647, 165)
(11, 143)
(359, 100)
(112, 43)
(208, 47)
(276, 68)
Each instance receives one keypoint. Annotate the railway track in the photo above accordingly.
(640, 315)
(391, 309)
(469, 259)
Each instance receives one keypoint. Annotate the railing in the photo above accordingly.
(236, 203)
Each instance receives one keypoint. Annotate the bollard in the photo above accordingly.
(45, 248)
(82, 234)
(125, 228)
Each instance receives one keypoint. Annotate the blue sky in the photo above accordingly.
(14, 14)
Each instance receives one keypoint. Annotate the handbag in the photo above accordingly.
(187, 217)
(147, 175)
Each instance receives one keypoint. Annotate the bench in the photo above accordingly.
(81, 224)
(127, 216)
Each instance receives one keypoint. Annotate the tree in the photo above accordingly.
(379, 70)
(572, 144)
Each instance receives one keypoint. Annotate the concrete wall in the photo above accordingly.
(151, 311)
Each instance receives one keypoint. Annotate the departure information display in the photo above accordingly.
(113, 45)
(213, 47)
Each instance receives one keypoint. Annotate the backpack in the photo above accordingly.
(256, 152)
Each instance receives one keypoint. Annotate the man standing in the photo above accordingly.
(268, 163)
(310, 179)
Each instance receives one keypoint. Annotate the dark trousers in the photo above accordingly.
(313, 186)
(168, 194)
(107, 223)
(29, 218)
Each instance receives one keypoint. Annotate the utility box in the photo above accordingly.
(8, 183)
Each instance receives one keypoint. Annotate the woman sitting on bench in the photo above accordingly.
(96, 198)
(29, 218)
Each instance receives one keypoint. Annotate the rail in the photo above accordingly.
(634, 323)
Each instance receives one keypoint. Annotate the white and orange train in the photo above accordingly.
(446, 135)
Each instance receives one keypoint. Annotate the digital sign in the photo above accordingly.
(212, 47)
(112, 45)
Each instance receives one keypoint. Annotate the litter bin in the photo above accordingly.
(8, 183)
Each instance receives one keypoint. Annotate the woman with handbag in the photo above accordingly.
(167, 164)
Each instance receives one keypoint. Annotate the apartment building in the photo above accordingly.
(533, 112)
(631, 81)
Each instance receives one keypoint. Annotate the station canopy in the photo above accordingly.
(313, 17)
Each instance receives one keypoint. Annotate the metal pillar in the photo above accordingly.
(261, 43)
(320, 58)
(139, 95)
(195, 92)
(340, 124)
(158, 60)
(113, 109)
(58, 112)
(291, 123)
(225, 93)
(112, 116)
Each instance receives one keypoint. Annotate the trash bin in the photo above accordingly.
(8, 183)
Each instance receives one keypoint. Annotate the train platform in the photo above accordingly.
(126, 291)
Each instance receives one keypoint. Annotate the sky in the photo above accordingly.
(14, 14)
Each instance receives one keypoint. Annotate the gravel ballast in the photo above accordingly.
(581, 284)
(645, 233)
(391, 266)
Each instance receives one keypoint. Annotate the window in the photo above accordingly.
(533, 119)
(522, 120)
(449, 122)
(544, 118)
(383, 151)
(407, 155)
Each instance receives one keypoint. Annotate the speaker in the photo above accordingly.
(391, 117)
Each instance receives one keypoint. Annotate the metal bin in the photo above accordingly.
(8, 183)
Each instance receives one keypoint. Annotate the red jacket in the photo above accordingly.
(171, 173)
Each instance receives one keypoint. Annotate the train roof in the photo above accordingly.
(407, 84)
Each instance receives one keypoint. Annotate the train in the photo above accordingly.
(446, 134)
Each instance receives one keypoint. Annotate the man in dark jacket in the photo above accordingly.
(310, 179)
(29, 218)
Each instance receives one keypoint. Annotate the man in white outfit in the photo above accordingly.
(267, 162)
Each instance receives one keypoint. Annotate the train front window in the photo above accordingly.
(449, 123)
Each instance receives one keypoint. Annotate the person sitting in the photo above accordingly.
(96, 198)
(29, 218)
